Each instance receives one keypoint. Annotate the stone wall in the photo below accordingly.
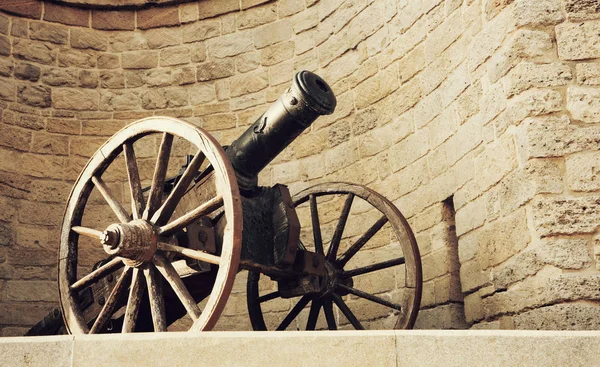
(476, 117)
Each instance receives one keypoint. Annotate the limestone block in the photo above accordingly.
(184, 75)
(127, 41)
(157, 17)
(560, 317)
(188, 12)
(198, 52)
(257, 16)
(582, 9)
(588, 73)
(470, 216)
(583, 170)
(202, 93)
(410, 149)
(473, 308)
(34, 95)
(199, 31)
(33, 51)
(277, 53)
(578, 41)
(164, 98)
(538, 12)
(272, 33)
(88, 38)
(215, 70)
(527, 75)
(76, 58)
(340, 156)
(163, 37)
(31, 291)
(119, 101)
(6, 67)
(570, 287)
(554, 136)
(15, 138)
(450, 316)
(114, 79)
(533, 102)
(307, 19)
(50, 144)
(174, 56)
(8, 89)
(159, 77)
(139, 59)
(207, 9)
(66, 14)
(472, 276)
(113, 19)
(27, 71)
(75, 99)
(48, 32)
(566, 216)
(230, 45)
(59, 77)
(584, 103)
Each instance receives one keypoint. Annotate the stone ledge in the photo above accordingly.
(347, 348)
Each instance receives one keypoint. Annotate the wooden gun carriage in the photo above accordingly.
(178, 249)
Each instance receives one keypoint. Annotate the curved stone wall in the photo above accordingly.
(441, 107)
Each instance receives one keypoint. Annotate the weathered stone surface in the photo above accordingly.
(139, 59)
(88, 38)
(31, 291)
(119, 101)
(164, 98)
(578, 41)
(584, 103)
(588, 73)
(527, 75)
(200, 31)
(27, 71)
(163, 37)
(113, 19)
(66, 14)
(159, 78)
(75, 99)
(257, 16)
(560, 317)
(202, 93)
(108, 61)
(207, 9)
(114, 79)
(248, 83)
(15, 138)
(583, 171)
(157, 17)
(538, 12)
(450, 316)
(33, 51)
(48, 32)
(272, 33)
(60, 77)
(174, 56)
(35, 95)
(215, 70)
(554, 216)
(582, 9)
(554, 136)
(230, 45)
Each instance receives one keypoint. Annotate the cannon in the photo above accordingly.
(177, 250)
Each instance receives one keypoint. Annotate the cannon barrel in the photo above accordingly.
(308, 98)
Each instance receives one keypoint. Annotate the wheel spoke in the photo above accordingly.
(135, 186)
(339, 229)
(95, 275)
(188, 252)
(204, 209)
(170, 274)
(313, 315)
(268, 297)
(371, 268)
(160, 172)
(168, 207)
(370, 297)
(116, 207)
(343, 260)
(346, 311)
(294, 312)
(157, 302)
(87, 232)
(133, 303)
(328, 310)
(111, 303)
(316, 226)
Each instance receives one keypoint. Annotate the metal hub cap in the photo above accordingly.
(135, 241)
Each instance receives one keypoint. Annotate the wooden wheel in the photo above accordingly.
(373, 266)
(140, 247)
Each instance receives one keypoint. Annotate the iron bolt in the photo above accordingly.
(293, 101)
(109, 277)
(202, 237)
(101, 301)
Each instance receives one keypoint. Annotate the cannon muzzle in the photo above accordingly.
(308, 98)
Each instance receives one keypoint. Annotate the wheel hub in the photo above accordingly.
(135, 241)
(330, 280)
